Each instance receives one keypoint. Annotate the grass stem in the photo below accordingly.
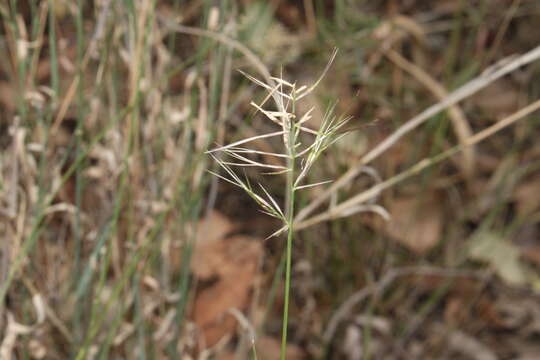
(288, 260)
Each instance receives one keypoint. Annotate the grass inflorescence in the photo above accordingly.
(301, 147)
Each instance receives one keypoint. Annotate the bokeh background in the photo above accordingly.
(116, 242)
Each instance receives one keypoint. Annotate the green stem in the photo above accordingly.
(290, 220)
(287, 287)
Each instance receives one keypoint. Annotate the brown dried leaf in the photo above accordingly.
(212, 304)
(208, 259)
(235, 261)
(415, 223)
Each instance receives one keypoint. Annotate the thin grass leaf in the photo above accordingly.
(249, 162)
(331, 142)
(278, 232)
(307, 130)
(306, 150)
(284, 114)
(267, 209)
(240, 142)
(271, 95)
(312, 87)
(327, 117)
(282, 82)
(269, 213)
(264, 85)
(263, 203)
(251, 165)
(240, 157)
(231, 173)
(300, 89)
(251, 151)
(365, 208)
(312, 185)
(306, 117)
(276, 206)
(274, 116)
(223, 178)
(277, 172)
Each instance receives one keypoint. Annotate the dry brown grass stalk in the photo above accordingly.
(487, 77)
(342, 209)
(459, 120)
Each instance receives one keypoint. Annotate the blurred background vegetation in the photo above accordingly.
(117, 243)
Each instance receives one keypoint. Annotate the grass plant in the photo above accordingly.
(301, 147)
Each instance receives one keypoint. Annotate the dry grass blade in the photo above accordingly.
(283, 82)
(240, 142)
(377, 209)
(249, 162)
(308, 90)
(306, 117)
(278, 232)
(271, 115)
(271, 89)
(312, 185)
(251, 151)
(461, 125)
(276, 206)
